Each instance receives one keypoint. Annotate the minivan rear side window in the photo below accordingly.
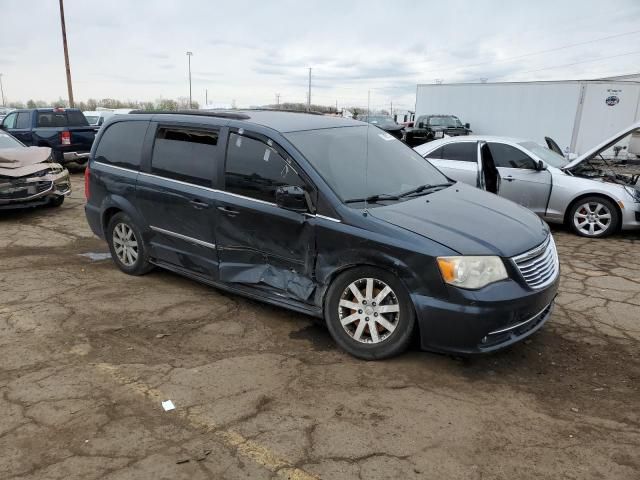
(461, 151)
(121, 144)
(255, 169)
(186, 154)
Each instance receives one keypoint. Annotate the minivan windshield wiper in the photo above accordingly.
(423, 189)
(373, 198)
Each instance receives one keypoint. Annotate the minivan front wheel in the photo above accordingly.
(369, 313)
(127, 246)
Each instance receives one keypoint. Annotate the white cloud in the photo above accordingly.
(250, 50)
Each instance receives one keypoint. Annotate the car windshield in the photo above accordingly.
(7, 141)
(359, 162)
(380, 120)
(445, 121)
(548, 156)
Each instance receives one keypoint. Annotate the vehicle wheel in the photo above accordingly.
(369, 313)
(56, 201)
(594, 217)
(127, 247)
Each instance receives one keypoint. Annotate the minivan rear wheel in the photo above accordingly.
(127, 246)
(369, 313)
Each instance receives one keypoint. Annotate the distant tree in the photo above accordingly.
(31, 104)
(16, 105)
(92, 104)
(60, 103)
(147, 106)
(166, 104)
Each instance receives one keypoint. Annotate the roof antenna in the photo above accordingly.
(366, 161)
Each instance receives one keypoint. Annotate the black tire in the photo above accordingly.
(56, 201)
(396, 341)
(138, 266)
(608, 207)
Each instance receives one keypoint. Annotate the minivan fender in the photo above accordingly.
(113, 204)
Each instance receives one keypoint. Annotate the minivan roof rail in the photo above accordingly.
(201, 113)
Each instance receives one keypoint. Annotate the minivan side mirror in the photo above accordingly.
(467, 126)
(292, 198)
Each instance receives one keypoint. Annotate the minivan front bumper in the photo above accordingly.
(483, 321)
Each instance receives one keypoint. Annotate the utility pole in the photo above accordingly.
(206, 97)
(277, 101)
(189, 57)
(2, 90)
(309, 94)
(66, 55)
(368, 101)
(391, 109)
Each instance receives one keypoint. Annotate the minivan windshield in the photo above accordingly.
(361, 162)
(547, 155)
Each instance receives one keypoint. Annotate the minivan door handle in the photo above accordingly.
(198, 204)
(228, 211)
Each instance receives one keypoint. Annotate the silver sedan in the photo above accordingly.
(595, 194)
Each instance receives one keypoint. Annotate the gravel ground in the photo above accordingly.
(87, 354)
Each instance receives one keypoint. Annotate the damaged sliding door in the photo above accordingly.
(258, 242)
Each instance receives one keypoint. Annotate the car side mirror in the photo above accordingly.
(467, 126)
(292, 197)
(540, 166)
(2, 127)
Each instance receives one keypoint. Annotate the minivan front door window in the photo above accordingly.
(255, 169)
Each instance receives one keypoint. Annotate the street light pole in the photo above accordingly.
(189, 57)
(66, 55)
(309, 94)
(2, 90)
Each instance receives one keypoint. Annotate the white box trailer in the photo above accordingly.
(576, 114)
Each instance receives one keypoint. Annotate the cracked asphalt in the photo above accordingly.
(87, 354)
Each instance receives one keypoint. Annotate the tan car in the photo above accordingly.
(29, 177)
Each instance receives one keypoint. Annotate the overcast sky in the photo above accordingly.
(248, 51)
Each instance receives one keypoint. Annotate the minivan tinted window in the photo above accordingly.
(185, 154)
(121, 144)
(255, 169)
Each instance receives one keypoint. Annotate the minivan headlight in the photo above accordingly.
(472, 272)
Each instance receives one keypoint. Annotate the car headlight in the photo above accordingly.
(472, 272)
(633, 192)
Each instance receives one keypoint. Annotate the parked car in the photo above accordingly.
(589, 194)
(432, 127)
(29, 177)
(386, 123)
(3, 112)
(303, 211)
(65, 131)
(97, 118)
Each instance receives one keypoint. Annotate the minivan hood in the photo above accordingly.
(602, 146)
(469, 221)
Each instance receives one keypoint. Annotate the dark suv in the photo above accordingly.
(303, 211)
(433, 127)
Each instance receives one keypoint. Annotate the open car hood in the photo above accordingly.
(11, 158)
(602, 146)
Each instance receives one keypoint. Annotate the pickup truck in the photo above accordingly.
(64, 130)
(433, 127)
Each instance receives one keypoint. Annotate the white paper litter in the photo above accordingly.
(96, 256)
(168, 405)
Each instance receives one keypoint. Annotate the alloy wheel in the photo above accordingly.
(369, 310)
(125, 244)
(592, 219)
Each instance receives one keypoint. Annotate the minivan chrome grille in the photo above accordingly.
(539, 267)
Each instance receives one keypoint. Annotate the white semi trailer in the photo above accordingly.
(576, 114)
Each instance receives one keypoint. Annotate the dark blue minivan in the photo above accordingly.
(327, 216)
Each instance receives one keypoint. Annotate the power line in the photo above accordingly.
(531, 54)
(637, 52)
